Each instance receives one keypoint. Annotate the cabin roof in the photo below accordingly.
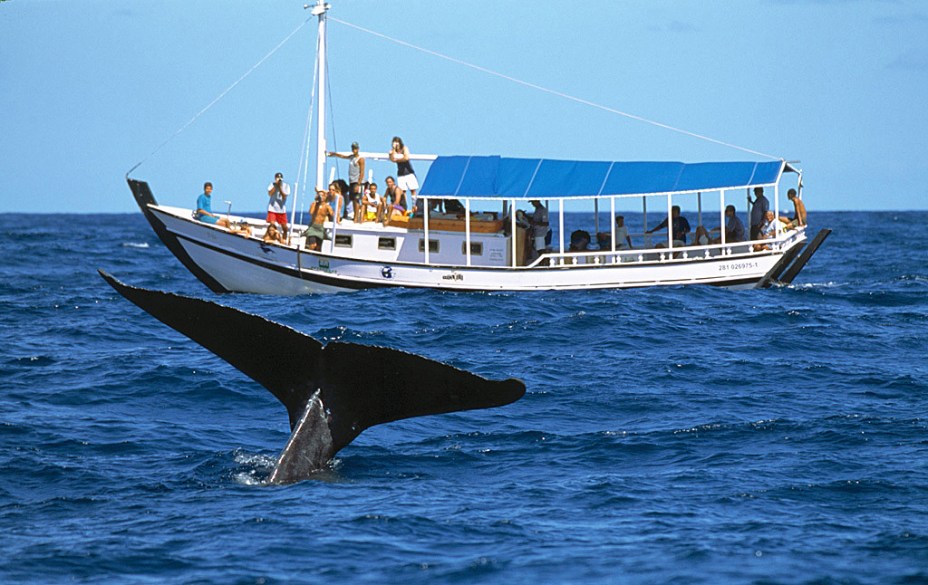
(497, 177)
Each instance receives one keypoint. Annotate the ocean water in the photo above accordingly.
(679, 435)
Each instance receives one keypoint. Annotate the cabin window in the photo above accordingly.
(342, 241)
(433, 246)
(386, 243)
(476, 248)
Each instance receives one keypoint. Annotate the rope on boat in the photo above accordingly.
(552, 91)
(221, 95)
(303, 166)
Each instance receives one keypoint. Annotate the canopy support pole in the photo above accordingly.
(612, 219)
(776, 210)
(722, 215)
(644, 219)
(699, 208)
(512, 224)
(669, 221)
(467, 229)
(425, 226)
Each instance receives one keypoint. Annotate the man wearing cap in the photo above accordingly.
(278, 191)
(758, 211)
(355, 177)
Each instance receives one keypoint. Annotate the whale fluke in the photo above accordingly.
(332, 393)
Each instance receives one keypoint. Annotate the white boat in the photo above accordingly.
(484, 247)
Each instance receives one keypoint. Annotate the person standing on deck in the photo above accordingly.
(355, 176)
(319, 212)
(277, 193)
(336, 200)
(540, 226)
(758, 212)
(405, 175)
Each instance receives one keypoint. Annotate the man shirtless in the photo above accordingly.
(319, 211)
(799, 211)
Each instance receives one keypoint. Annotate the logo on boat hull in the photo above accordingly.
(453, 276)
(386, 272)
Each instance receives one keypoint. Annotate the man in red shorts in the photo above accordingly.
(278, 191)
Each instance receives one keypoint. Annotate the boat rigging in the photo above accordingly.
(482, 245)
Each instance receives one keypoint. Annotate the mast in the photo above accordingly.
(320, 10)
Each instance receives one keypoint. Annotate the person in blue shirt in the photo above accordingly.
(204, 211)
(759, 209)
(680, 227)
(734, 228)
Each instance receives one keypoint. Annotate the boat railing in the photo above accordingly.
(657, 255)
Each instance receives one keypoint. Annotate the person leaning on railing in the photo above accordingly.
(679, 225)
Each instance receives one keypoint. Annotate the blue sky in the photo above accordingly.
(88, 89)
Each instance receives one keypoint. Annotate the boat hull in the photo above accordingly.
(226, 262)
(236, 264)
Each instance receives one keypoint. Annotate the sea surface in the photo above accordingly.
(675, 435)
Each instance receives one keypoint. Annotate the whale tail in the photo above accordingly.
(332, 393)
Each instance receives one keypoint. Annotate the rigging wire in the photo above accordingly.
(221, 95)
(552, 91)
(331, 111)
(303, 166)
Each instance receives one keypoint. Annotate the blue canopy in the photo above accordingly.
(533, 178)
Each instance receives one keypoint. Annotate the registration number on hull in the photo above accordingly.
(732, 266)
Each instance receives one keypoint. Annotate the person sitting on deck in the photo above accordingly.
(204, 210)
(579, 241)
(522, 221)
(394, 200)
(701, 236)
(622, 240)
(734, 227)
(679, 227)
(319, 211)
(371, 204)
(768, 230)
(799, 211)
(454, 207)
(273, 234)
(241, 228)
